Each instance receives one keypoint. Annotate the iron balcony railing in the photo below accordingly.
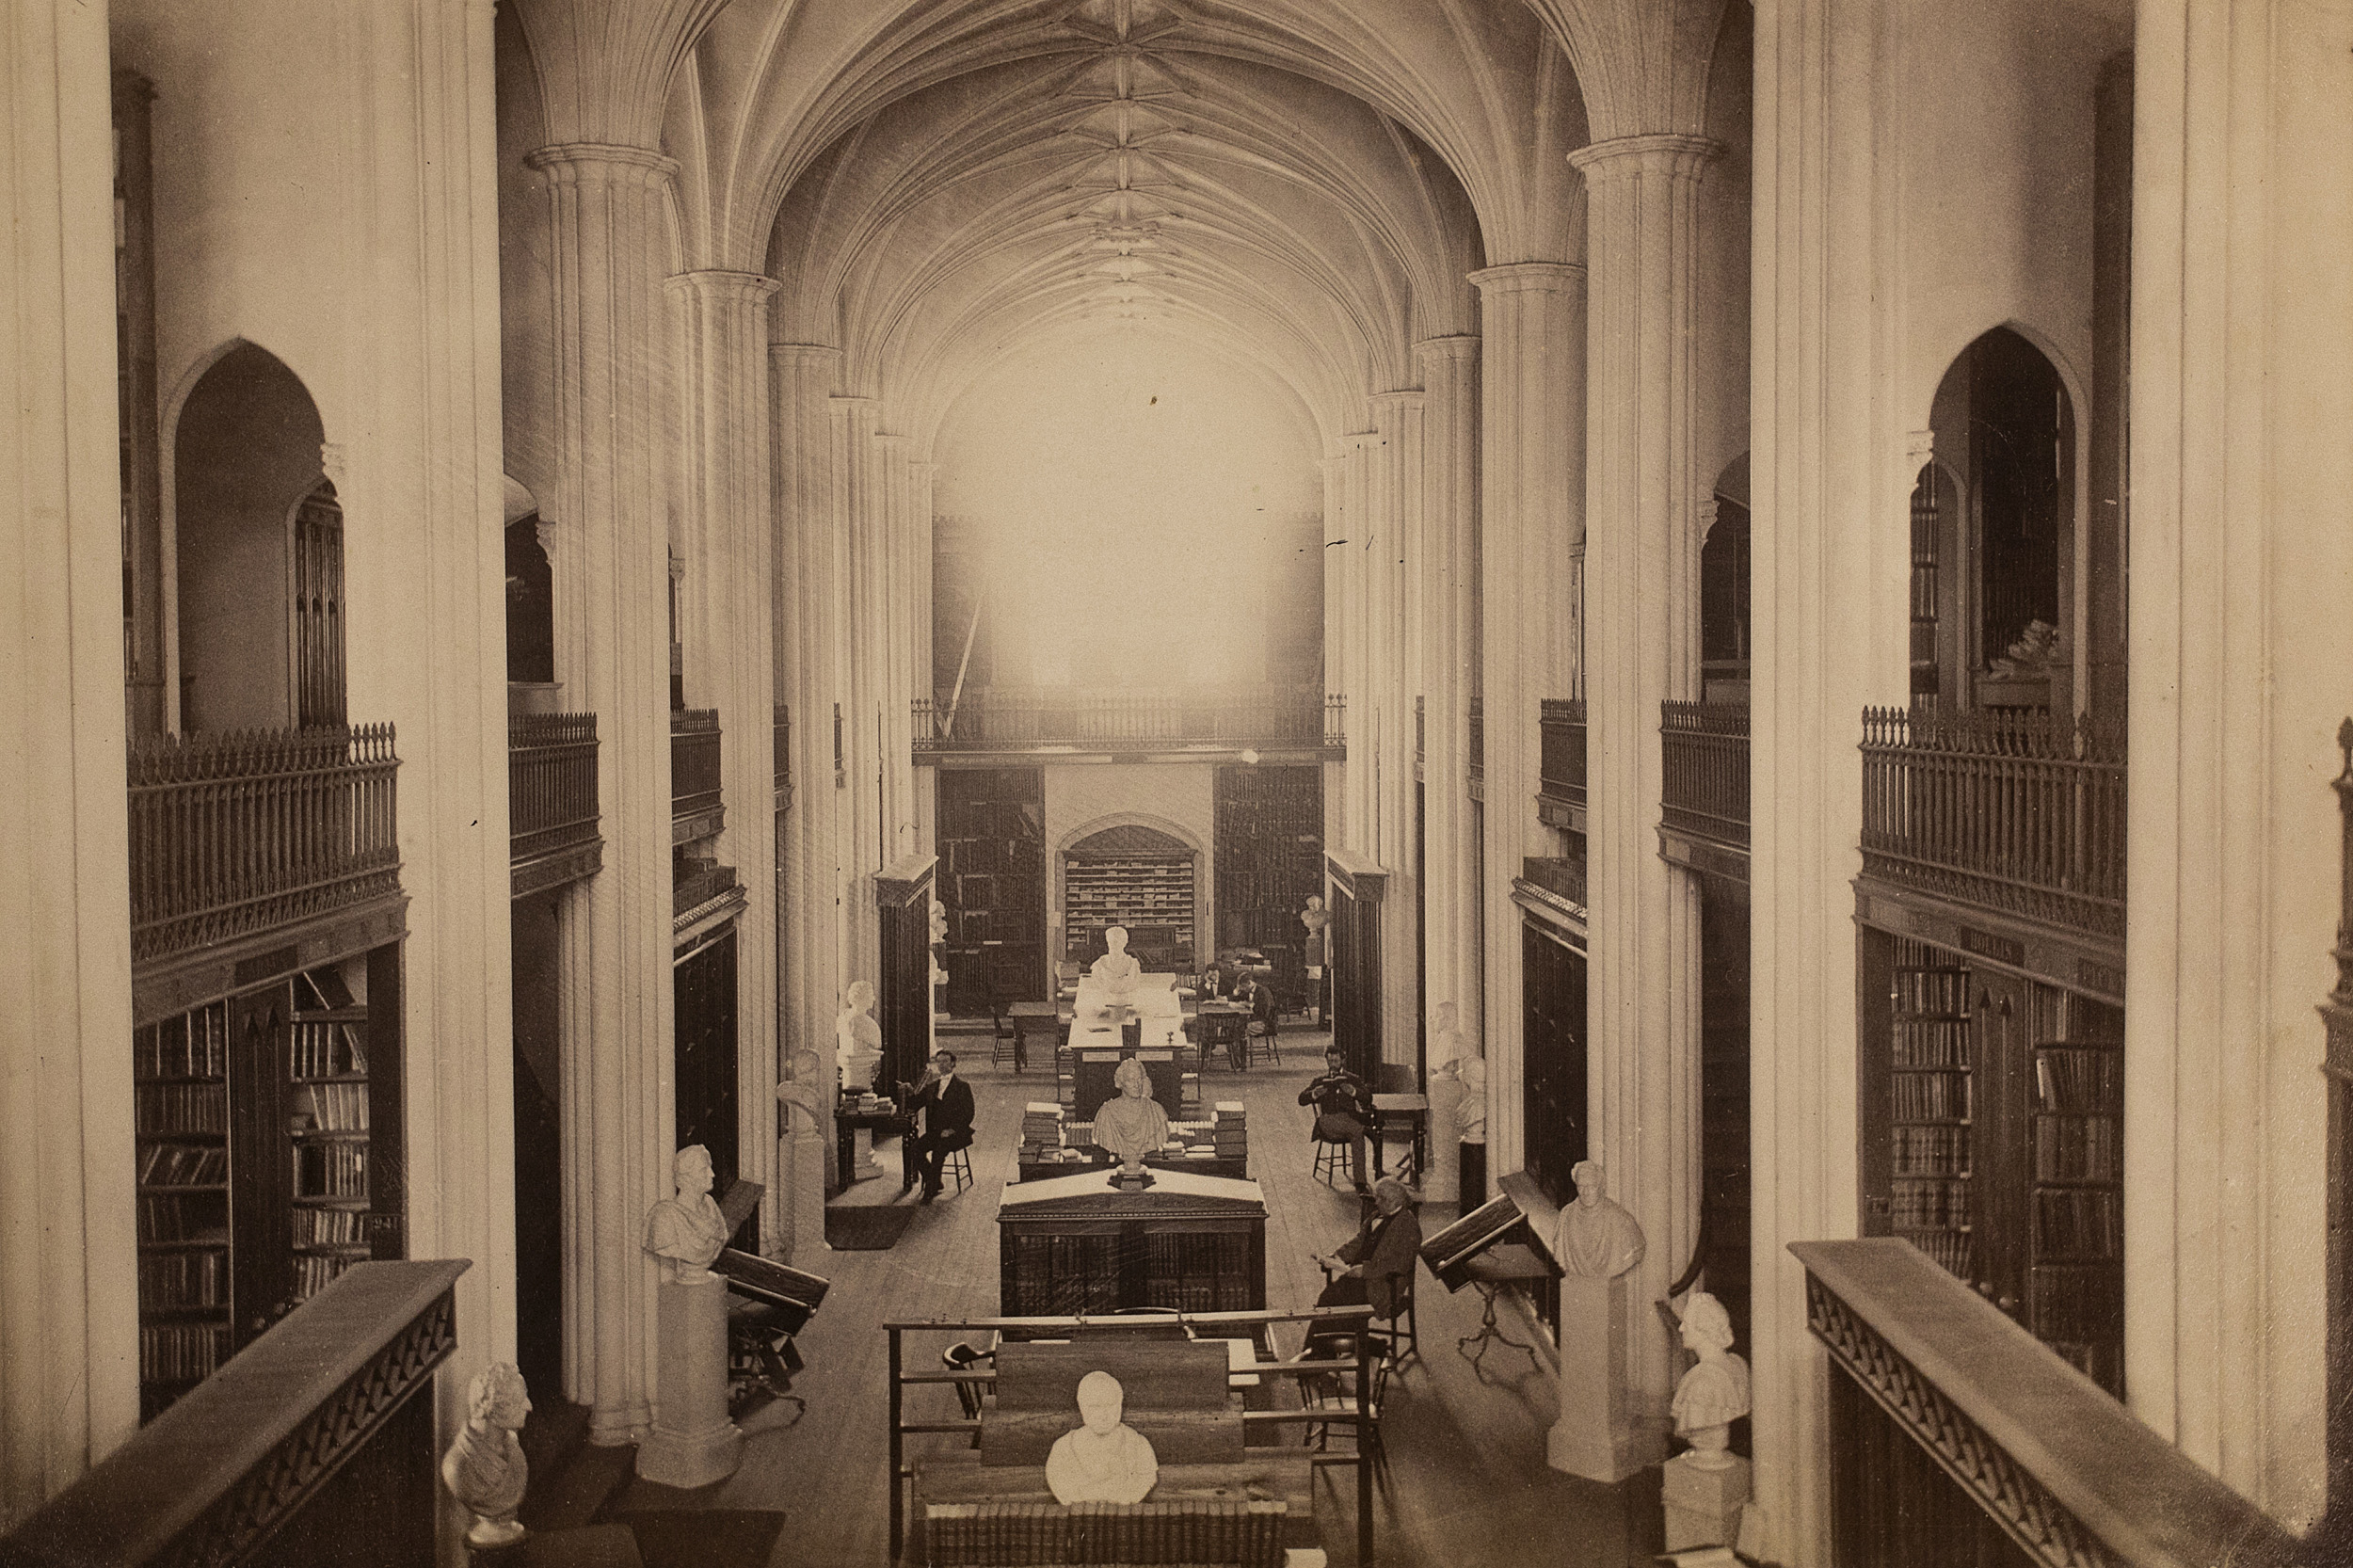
(2021, 814)
(694, 782)
(550, 783)
(251, 830)
(698, 883)
(1560, 760)
(1704, 755)
(1015, 720)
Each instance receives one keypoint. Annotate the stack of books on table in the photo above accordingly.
(1228, 1133)
(1192, 1140)
(1041, 1130)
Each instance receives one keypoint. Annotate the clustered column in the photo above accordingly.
(611, 565)
(1643, 609)
(724, 363)
(1392, 593)
(1531, 517)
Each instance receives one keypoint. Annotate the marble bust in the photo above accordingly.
(1598, 1239)
(1315, 917)
(858, 1037)
(1105, 1460)
(1713, 1394)
(1117, 970)
(1131, 1125)
(686, 1232)
(1459, 1054)
(804, 1093)
(485, 1470)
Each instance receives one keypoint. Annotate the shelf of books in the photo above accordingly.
(1270, 853)
(1139, 891)
(992, 883)
(327, 1114)
(2077, 1291)
(180, 1073)
(1931, 1068)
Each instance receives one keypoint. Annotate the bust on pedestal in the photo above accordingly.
(1458, 1100)
(694, 1443)
(807, 1107)
(1116, 972)
(858, 1050)
(1597, 1243)
(1704, 1490)
(485, 1470)
(1105, 1460)
(1130, 1125)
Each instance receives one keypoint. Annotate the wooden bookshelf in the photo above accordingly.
(2075, 1292)
(327, 1089)
(1269, 853)
(1931, 1070)
(992, 883)
(180, 1076)
(1145, 893)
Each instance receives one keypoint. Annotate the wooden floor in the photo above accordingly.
(1469, 1484)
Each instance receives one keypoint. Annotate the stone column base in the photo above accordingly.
(693, 1443)
(1703, 1506)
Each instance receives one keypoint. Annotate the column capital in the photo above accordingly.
(804, 353)
(893, 439)
(1397, 397)
(1460, 345)
(577, 161)
(1920, 447)
(1529, 277)
(723, 285)
(852, 402)
(1666, 153)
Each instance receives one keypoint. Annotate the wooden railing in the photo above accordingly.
(251, 830)
(692, 890)
(550, 783)
(1705, 786)
(1560, 761)
(1957, 1439)
(1016, 720)
(317, 1442)
(2021, 814)
(694, 782)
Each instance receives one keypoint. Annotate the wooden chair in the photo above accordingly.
(958, 1163)
(1004, 1044)
(1331, 1158)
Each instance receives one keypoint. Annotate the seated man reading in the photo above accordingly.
(945, 1102)
(1105, 1460)
(1343, 1105)
(1375, 1266)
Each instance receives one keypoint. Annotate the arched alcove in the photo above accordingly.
(2001, 547)
(1128, 872)
(258, 535)
(1724, 623)
(530, 605)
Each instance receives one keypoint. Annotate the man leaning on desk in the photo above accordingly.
(944, 1102)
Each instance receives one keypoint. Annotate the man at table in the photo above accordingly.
(1343, 1105)
(944, 1104)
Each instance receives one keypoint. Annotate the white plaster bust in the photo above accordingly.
(1117, 970)
(1714, 1393)
(1131, 1123)
(1458, 1053)
(1598, 1239)
(804, 1092)
(858, 1037)
(686, 1232)
(485, 1470)
(1104, 1461)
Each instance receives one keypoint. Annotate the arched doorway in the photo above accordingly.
(1134, 877)
(258, 534)
(1999, 550)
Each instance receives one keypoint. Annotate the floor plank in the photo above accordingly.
(1469, 1484)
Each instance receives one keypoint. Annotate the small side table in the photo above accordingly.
(1493, 1272)
(1409, 1114)
(846, 1123)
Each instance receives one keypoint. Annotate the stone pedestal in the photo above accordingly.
(1596, 1436)
(1703, 1506)
(862, 1161)
(694, 1443)
(805, 1184)
(1443, 1177)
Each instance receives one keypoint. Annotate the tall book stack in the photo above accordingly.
(1041, 1130)
(327, 1118)
(180, 1074)
(2076, 1294)
(1228, 1133)
(1931, 1068)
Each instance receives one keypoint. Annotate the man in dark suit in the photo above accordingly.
(943, 1102)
